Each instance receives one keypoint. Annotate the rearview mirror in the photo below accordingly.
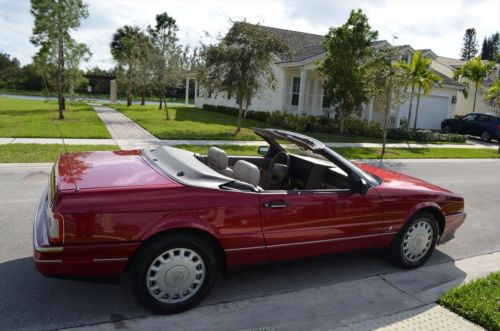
(263, 150)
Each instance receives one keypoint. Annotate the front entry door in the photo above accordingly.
(306, 223)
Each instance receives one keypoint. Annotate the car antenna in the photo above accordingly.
(67, 158)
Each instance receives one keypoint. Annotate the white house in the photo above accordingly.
(464, 106)
(299, 86)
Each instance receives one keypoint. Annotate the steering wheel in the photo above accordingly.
(279, 168)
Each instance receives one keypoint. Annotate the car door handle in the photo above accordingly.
(275, 204)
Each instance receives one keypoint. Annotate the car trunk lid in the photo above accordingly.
(108, 169)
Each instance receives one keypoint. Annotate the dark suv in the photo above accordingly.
(485, 126)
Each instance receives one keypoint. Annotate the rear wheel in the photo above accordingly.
(174, 273)
(485, 136)
(416, 241)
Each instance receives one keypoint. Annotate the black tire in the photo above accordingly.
(447, 129)
(164, 246)
(399, 252)
(485, 136)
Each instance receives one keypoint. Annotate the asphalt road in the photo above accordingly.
(31, 301)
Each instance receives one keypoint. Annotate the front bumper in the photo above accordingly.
(452, 223)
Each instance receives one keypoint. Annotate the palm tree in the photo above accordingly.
(415, 70)
(492, 96)
(427, 79)
(473, 71)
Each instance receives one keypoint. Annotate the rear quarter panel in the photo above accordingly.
(136, 214)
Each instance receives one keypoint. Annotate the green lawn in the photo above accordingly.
(196, 124)
(371, 153)
(478, 301)
(39, 119)
(29, 153)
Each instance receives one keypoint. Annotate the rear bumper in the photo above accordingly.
(452, 223)
(75, 260)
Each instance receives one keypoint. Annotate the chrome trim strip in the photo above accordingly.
(243, 248)
(47, 261)
(113, 259)
(35, 223)
(310, 242)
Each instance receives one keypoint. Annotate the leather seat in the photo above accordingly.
(247, 172)
(217, 160)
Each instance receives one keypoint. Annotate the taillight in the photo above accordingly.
(498, 126)
(56, 228)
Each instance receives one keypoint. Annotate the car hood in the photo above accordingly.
(106, 170)
(396, 179)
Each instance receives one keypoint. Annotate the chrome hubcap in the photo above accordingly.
(175, 275)
(417, 240)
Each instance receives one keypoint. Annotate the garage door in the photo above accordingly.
(431, 111)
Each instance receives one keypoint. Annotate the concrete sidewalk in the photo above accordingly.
(396, 301)
(141, 143)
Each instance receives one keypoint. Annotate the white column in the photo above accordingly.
(302, 90)
(195, 90)
(187, 90)
(370, 110)
(112, 91)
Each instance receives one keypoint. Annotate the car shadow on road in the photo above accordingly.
(32, 301)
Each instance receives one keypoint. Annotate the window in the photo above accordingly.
(469, 118)
(326, 102)
(295, 91)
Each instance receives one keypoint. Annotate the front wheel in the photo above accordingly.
(174, 273)
(416, 241)
(485, 136)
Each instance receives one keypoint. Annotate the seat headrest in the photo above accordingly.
(217, 158)
(247, 172)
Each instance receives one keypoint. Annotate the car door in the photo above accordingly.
(306, 223)
(466, 124)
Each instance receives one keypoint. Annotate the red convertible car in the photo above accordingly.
(173, 219)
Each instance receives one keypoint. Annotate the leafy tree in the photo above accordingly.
(348, 50)
(11, 74)
(387, 83)
(144, 65)
(491, 47)
(469, 46)
(240, 64)
(166, 56)
(125, 49)
(473, 71)
(54, 20)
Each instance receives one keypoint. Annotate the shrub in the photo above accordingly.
(251, 114)
(424, 136)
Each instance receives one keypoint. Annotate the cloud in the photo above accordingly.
(438, 25)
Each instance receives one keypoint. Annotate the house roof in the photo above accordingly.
(302, 45)
(447, 80)
(450, 62)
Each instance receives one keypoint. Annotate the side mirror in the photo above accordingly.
(361, 186)
(263, 150)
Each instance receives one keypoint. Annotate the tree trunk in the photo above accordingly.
(411, 102)
(60, 65)
(341, 122)
(143, 96)
(240, 113)
(162, 97)
(167, 116)
(416, 110)
(475, 95)
(386, 117)
(129, 85)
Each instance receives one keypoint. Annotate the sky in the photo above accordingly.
(438, 25)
